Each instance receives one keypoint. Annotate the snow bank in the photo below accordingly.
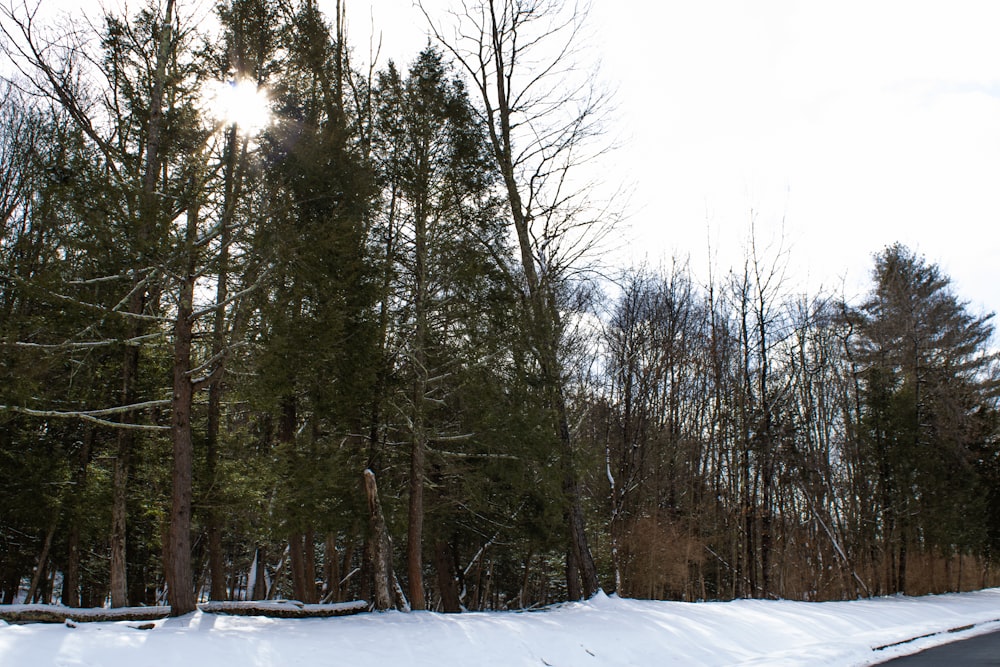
(602, 631)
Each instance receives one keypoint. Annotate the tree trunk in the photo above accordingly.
(259, 575)
(296, 559)
(126, 443)
(496, 82)
(180, 578)
(147, 233)
(216, 561)
(71, 577)
(447, 582)
(309, 569)
(119, 486)
(571, 487)
(415, 529)
(232, 190)
(331, 569)
(901, 573)
(379, 547)
(43, 561)
(525, 581)
(766, 530)
(574, 588)
(302, 557)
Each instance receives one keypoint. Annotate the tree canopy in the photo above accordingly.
(215, 338)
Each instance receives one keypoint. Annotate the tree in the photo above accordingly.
(437, 172)
(652, 459)
(248, 55)
(143, 120)
(315, 329)
(541, 114)
(123, 130)
(928, 373)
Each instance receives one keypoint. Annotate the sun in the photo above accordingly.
(240, 102)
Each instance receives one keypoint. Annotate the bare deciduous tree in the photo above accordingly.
(542, 113)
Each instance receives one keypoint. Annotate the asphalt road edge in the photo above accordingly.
(960, 628)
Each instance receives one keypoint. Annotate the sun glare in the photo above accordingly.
(241, 103)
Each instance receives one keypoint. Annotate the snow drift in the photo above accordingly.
(603, 631)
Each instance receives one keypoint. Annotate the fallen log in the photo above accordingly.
(54, 613)
(284, 608)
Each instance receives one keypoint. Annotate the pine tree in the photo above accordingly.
(927, 374)
(316, 328)
(436, 172)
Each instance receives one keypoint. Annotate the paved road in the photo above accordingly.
(981, 650)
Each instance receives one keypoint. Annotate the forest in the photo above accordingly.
(361, 346)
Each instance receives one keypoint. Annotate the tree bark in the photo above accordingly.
(43, 561)
(525, 581)
(260, 575)
(331, 569)
(574, 587)
(119, 485)
(380, 548)
(578, 534)
(232, 189)
(309, 562)
(415, 529)
(71, 578)
(180, 578)
(297, 563)
(301, 552)
(149, 215)
(447, 582)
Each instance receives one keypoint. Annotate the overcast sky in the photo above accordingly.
(840, 127)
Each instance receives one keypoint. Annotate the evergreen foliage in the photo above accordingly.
(208, 335)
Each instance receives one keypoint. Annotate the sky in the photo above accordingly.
(605, 631)
(832, 129)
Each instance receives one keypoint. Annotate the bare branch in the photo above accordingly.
(94, 416)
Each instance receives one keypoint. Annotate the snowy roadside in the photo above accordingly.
(602, 631)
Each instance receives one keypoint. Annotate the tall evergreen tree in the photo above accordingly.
(927, 374)
(436, 169)
(316, 329)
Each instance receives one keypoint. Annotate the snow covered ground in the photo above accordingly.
(602, 631)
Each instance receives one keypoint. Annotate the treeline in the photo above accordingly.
(209, 332)
(761, 444)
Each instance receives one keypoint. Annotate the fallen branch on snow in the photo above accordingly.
(52, 613)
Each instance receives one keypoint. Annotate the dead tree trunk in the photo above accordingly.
(386, 590)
